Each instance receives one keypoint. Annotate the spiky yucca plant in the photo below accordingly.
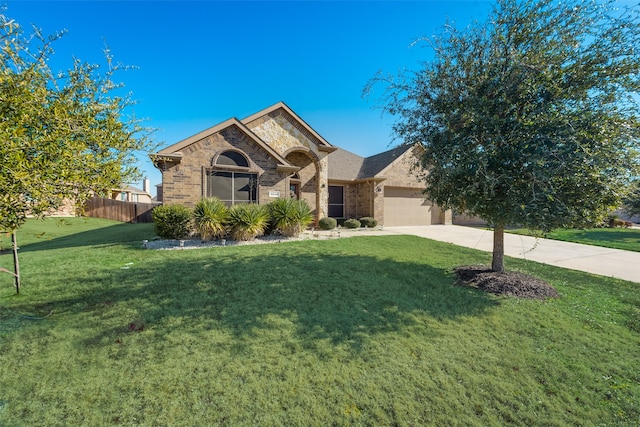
(290, 216)
(210, 216)
(247, 221)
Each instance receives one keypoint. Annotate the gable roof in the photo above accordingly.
(131, 189)
(174, 150)
(374, 165)
(347, 166)
(323, 145)
(344, 165)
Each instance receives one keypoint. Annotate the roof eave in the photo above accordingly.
(159, 159)
(172, 155)
(327, 149)
(357, 181)
(370, 179)
(287, 168)
(174, 148)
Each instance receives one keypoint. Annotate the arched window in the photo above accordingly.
(232, 158)
(230, 180)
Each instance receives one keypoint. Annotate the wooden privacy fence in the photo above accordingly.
(117, 210)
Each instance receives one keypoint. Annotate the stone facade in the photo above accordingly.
(287, 135)
(282, 133)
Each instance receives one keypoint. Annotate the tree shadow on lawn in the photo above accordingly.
(116, 234)
(339, 298)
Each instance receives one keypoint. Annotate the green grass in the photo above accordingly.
(627, 239)
(357, 331)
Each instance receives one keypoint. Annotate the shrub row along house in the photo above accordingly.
(275, 154)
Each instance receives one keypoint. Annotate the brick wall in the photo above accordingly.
(185, 182)
(403, 172)
(358, 200)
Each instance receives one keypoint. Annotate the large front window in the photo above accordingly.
(230, 180)
(232, 187)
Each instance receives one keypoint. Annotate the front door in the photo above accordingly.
(336, 201)
(294, 190)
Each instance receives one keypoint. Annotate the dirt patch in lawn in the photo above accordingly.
(509, 283)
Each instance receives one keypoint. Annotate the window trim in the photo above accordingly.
(207, 190)
(233, 170)
(215, 164)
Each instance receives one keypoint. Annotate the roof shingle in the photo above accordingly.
(347, 166)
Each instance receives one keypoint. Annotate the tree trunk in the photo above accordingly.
(497, 262)
(16, 264)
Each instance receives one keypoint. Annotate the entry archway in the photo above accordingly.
(307, 179)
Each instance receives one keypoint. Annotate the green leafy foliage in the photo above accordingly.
(632, 200)
(172, 221)
(247, 221)
(290, 216)
(368, 221)
(210, 216)
(529, 118)
(327, 223)
(66, 136)
(352, 223)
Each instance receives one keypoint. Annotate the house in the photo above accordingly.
(129, 193)
(275, 153)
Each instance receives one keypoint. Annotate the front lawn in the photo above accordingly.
(627, 239)
(353, 331)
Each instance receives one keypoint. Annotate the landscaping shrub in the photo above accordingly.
(368, 221)
(210, 216)
(327, 223)
(352, 223)
(290, 216)
(247, 221)
(172, 221)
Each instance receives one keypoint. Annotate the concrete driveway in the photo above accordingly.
(592, 259)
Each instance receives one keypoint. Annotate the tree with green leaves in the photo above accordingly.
(64, 136)
(632, 200)
(528, 119)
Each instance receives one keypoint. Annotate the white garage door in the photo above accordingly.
(406, 207)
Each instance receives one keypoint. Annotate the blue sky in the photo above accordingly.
(199, 63)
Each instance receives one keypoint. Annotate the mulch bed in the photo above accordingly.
(508, 283)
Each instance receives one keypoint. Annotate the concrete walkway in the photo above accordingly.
(592, 259)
